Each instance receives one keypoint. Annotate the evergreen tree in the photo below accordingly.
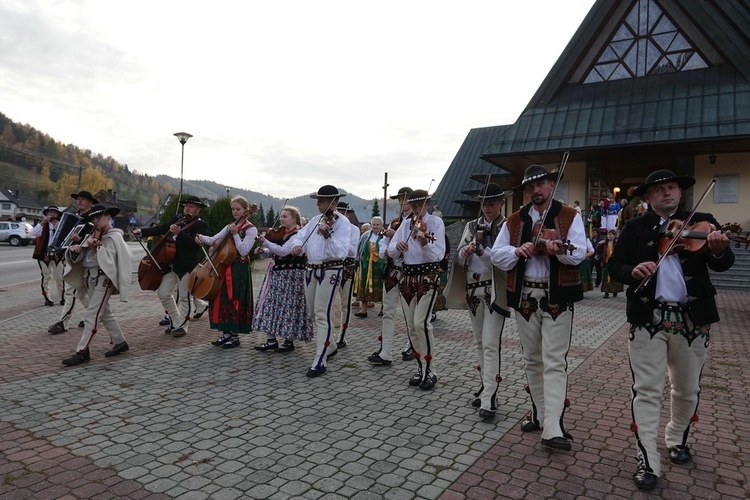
(173, 208)
(270, 217)
(375, 208)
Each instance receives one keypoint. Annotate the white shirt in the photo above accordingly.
(244, 245)
(503, 254)
(433, 251)
(480, 264)
(670, 282)
(320, 249)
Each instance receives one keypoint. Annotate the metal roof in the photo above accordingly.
(468, 172)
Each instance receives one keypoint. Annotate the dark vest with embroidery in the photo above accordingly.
(564, 280)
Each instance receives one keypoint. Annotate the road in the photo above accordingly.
(17, 266)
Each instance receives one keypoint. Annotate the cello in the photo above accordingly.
(206, 278)
(163, 253)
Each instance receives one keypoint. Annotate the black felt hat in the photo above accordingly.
(327, 191)
(492, 192)
(85, 194)
(194, 200)
(419, 195)
(101, 209)
(51, 208)
(402, 192)
(343, 207)
(661, 176)
(535, 173)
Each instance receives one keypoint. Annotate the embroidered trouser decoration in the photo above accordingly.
(320, 293)
(99, 291)
(653, 351)
(487, 326)
(345, 292)
(545, 334)
(418, 293)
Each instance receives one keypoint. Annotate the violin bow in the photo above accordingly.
(278, 215)
(672, 243)
(564, 162)
(140, 240)
(318, 224)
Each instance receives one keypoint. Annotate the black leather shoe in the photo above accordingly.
(117, 349)
(58, 327)
(528, 424)
(77, 358)
(286, 347)
(178, 332)
(267, 346)
(375, 359)
(476, 403)
(486, 414)
(360, 315)
(316, 373)
(232, 342)
(62, 302)
(165, 322)
(429, 382)
(221, 340)
(558, 443)
(331, 355)
(81, 324)
(198, 315)
(644, 479)
(48, 303)
(408, 354)
(679, 454)
(341, 344)
(416, 379)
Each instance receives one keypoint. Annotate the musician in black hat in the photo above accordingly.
(182, 230)
(50, 263)
(477, 284)
(326, 240)
(84, 202)
(101, 265)
(348, 276)
(670, 317)
(421, 242)
(543, 283)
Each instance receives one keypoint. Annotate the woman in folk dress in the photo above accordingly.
(231, 311)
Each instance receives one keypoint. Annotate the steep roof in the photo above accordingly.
(21, 199)
(468, 172)
(641, 72)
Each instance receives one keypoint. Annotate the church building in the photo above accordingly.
(642, 85)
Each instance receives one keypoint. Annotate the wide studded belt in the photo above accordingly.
(478, 284)
(426, 268)
(330, 263)
(535, 284)
(671, 306)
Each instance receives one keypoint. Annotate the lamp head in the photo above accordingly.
(182, 137)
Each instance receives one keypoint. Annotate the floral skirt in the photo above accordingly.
(281, 309)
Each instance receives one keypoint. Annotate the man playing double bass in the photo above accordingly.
(670, 318)
(182, 230)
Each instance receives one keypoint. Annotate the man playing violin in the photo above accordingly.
(477, 284)
(84, 201)
(326, 240)
(540, 247)
(101, 266)
(391, 278)
(670, 317)
(187, 255)
(421, 243)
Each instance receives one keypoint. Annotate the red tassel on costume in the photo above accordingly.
(428, 357)
(498, 378)
(526, 388)
(634, 427)
(416, 355)
(694, 418)
(328, 342)
(93, 330)
(478, 368)
(345, 325)
(567, 402)
(380, 338)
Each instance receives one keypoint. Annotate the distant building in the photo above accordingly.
(19, 206)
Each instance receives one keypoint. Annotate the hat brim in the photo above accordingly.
(502, 196)
(549, 175)
(46, 210)
(421, 199)
(193, 202)
(683, 181)
(85, 195)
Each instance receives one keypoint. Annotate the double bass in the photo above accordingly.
(206, 278)
(153, 264)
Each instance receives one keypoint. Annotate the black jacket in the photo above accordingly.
(188, 253)
(638, 243)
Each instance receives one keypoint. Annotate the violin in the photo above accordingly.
(419, 231)
(276, 235)
(479, 236)
(325, 224)
(542, 234)
(691, 239)
(95, 240)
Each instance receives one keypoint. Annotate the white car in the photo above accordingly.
(16, 233)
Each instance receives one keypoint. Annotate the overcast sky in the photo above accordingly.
(280, 96)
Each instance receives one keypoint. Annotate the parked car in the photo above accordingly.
(16, 233)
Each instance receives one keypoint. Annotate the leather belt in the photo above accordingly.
(535, 284)
(330, 263)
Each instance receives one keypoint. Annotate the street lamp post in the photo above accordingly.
(183, 138)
